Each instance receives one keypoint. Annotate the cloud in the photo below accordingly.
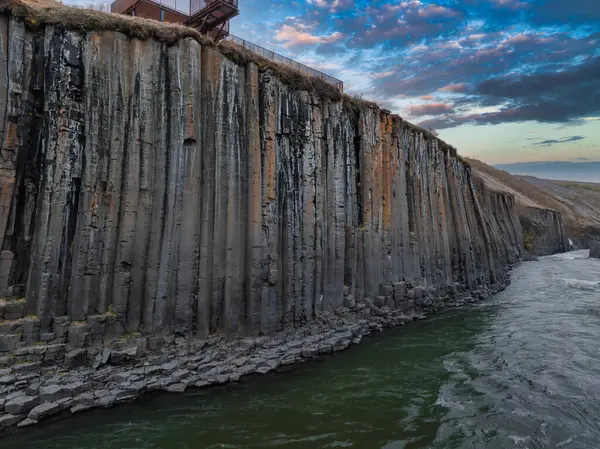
(333, 5)
(454, 88)
(510, 4)
(299, 34)
(544, 97)
(454, 68)
(430, 109)
(398, 24)
(563, 140)
(552, 12)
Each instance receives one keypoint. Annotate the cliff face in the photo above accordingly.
(543, 231)
(551, 212)
(167, 190)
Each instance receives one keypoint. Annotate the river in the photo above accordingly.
(521, 370)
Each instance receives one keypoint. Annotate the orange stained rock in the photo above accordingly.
(96, 39)
(214, 61)
(10, 136)
(6, 187)
(271, 157)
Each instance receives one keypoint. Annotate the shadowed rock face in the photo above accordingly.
(595, 249)
(543, 231)
(168, 191)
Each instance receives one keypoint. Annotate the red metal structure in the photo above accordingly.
(210, 17)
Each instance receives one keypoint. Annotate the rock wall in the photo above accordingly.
(154, 190)
(595, 249)
(583, 237)
(543, 231)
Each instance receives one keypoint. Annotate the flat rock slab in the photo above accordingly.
(176, 388)
(8, 379)
(27, 422)
(51, 393)
(43, 410)
(9, 420)
(21, 404)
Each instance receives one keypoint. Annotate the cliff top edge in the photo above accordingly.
(37, 13)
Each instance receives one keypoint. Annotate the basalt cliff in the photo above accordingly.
(163, 197)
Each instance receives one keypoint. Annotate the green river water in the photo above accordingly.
(521, 370)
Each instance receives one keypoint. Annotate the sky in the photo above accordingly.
(502, 80)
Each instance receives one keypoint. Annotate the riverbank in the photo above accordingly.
(58, 392)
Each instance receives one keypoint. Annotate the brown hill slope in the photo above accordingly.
(578, 203)
(583, 199)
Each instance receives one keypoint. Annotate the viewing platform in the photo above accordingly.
(209, 17)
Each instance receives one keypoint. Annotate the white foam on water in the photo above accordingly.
(572, 255)
(562, 443)
(443, 401)
(520, 441)
(580, 283)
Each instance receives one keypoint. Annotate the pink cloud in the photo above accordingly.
(519, 39)
(430, 109)
(431, 11)
(454, 88)
(299, 34)
(512, 4)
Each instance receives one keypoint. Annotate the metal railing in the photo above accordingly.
(198, 5)
(187, 7)
(276, 57)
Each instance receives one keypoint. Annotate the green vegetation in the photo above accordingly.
(7, 301)
(79, 323)
(528, 239)
(129, 335)
(110, 312)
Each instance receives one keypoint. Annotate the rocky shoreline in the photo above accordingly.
(31, 393)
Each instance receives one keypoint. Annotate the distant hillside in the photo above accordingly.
(582, 199)
(579, 203)
(558, 170)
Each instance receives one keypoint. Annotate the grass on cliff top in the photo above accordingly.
(41, 12)
(48, 12)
